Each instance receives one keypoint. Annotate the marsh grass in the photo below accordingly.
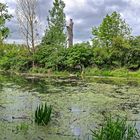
(23, 127)
(43, 114)
(116, 129)
(119, 72)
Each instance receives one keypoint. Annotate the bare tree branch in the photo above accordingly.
(27, 18)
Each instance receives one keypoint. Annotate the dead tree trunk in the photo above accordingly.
(70, 33)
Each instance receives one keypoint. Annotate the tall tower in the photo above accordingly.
(70, 33)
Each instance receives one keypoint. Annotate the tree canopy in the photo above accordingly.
(54, 34)
(111, 27)
(4, 16)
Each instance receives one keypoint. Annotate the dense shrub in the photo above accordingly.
(49, 56)
(57, 58)
(118, 52)
(64, 58)
(78, 55)
(14, 57)
(132, 59)
(101, 57)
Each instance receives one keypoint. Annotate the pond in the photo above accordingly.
(79, 105)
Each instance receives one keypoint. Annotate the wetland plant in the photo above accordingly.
(43, 114)
(23, 127)
(116, 129)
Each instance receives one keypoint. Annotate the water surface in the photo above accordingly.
(79, 105)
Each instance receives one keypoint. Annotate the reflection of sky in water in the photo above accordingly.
(76, 130)
(16, 104)
(75, 99)
(76, 110)
(136, 123)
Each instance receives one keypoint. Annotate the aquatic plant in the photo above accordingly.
(23, 127)
(43, 114)
(116, 129)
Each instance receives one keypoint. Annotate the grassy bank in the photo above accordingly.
(122, 72)
(119, 72)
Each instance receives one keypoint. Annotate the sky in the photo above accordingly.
(85, 14)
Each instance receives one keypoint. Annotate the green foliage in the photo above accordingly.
(116, 129)
(79, 54)
(111, 27)
(38, 70)
(101, 57)
(43, 114)
(23, 127)
(134, 41)
(54, 34)
(120, 47)
(17, 58)
(4, 16)
(64, 59)
(111, 42)
(83, 55)
(96, 72)
(113, 48)
(132, 58)
(49, 56)
(117, 72)
(14, 57)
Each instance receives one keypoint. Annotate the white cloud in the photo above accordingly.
(71, 4)
(89, 13)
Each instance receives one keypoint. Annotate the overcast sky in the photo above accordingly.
(85, 13)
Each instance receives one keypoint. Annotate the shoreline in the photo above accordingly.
(68, 75)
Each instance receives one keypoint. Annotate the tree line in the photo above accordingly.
(113, 45)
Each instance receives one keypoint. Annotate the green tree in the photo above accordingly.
(132, 58)
(78, 56)
(119, 51)
(4, 16)
(135, 41)
(111, 27)
(54, 34)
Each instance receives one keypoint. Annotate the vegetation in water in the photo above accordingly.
(112, 51)
(116, 129)
(77, 104)
(43, 114)
(23, 127)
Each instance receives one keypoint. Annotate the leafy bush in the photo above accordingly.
(58, 58)
(101, 57)
(14, 57)
(132, 58)
(43, 114)
(73, 59)
(79, 54)
(118, 51)
(116, 129)
(49, 56)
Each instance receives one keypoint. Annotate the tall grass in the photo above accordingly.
(119, 72)
(116, 129)
(43, 114)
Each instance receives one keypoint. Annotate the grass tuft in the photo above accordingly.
(43, 114)
(116, 129)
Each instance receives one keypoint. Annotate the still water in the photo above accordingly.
(78, 105)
